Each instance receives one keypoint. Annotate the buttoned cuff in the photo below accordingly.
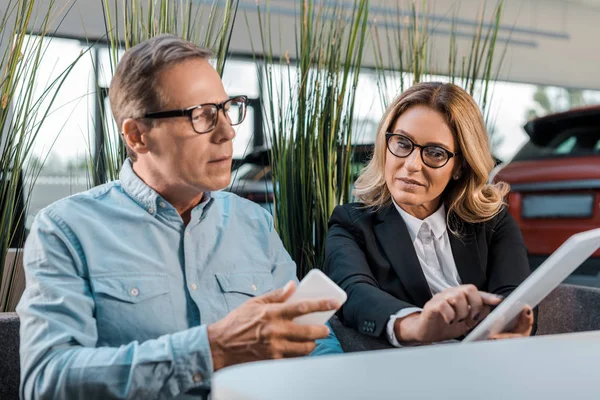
(391, 335)
(192, 357)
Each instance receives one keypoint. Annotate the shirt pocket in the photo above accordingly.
(132, 307)
(238, 287)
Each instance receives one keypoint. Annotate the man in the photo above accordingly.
(142, 287)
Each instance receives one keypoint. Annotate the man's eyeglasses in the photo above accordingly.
(204, 117)
(432, 156)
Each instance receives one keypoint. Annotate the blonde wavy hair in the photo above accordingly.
(470, 198)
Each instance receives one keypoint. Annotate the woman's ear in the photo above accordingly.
(458, 170)
(133, 132)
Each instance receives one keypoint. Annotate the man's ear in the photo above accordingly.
(134, 134)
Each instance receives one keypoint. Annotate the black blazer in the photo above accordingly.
(371, 256)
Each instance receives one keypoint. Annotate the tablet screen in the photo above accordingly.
(573, 252)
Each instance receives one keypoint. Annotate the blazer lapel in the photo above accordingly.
(393, 236)
(466, 257)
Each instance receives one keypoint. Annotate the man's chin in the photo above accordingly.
(217, 184)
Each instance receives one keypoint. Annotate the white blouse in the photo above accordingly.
(432, 245)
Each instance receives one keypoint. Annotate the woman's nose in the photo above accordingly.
(413, 162)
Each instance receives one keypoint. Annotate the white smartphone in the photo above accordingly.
(317, 285)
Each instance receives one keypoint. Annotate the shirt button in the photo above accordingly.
(162, 204)
(253, 287)
(134, 292)
(151, 210)
(187, 234)
(197, 378)
(194, 286)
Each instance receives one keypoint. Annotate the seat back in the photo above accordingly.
(570, 308)
(9, 356)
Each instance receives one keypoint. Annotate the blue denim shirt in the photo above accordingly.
(119, 292)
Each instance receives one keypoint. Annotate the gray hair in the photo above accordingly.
(135, 89)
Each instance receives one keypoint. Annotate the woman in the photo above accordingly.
(431, 247)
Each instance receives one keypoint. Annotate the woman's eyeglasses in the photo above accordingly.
(432, 156)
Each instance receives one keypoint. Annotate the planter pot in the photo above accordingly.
(13, 280)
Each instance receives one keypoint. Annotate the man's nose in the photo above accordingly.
(224, 131)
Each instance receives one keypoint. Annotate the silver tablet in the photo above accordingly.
(539, 284)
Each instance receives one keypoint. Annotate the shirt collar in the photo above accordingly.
(147, 197)
(137, 189)
(200, 209)
(436, 221)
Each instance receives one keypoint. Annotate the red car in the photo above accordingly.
(555, 185)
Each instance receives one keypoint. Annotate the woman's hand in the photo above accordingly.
(448, 315)
(522, 328)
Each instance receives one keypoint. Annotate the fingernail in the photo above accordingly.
(476, 317)
(333, 304)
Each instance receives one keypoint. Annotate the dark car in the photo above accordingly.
(252, 179)
(555, 185)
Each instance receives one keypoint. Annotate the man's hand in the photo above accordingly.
(262, 328)
(448, 315)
